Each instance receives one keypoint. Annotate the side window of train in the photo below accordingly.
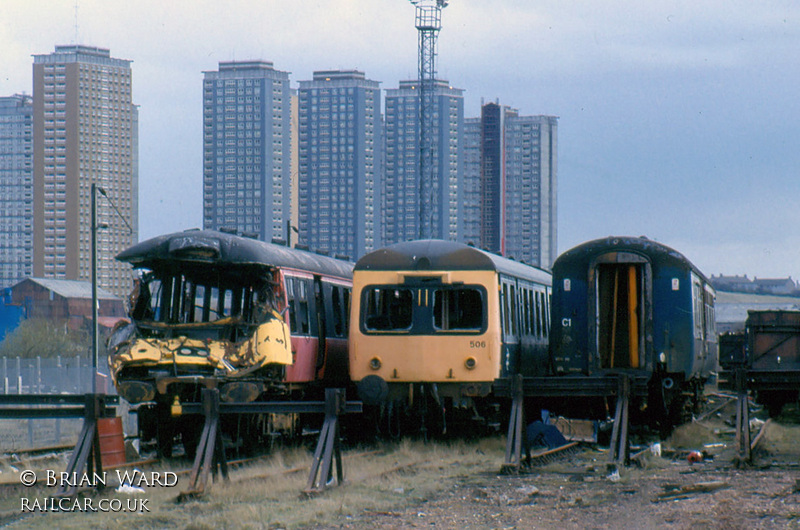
(346, 291)
(525, 313)
(540, 321)
(513, 302)
(509, 308)
(339, 327)
(302, 293)
(292, 305)
(546, 303)
(504, 308)
(530, 312)
(711, 322)
(297, 292)
(699, 309)
(387, 309)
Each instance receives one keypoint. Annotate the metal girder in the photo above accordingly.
(573, 386)
(274, 407)
(51, 399)
(38, 406)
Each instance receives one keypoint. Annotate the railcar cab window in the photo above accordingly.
(457, 309)
(196, 298)
(423, 310)
(388, 309)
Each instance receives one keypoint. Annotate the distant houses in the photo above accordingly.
(743, 284)
(736, 295)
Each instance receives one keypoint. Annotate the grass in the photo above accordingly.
(268, 494)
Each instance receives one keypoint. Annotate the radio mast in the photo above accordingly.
(428, 22)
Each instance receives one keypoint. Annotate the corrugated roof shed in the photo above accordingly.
(72, 288)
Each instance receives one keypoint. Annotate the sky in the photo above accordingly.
(678, 120)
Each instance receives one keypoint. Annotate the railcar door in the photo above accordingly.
(301, 299)
(509, 308)
(620, 317)
(333, 308)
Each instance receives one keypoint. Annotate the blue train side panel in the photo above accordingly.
(569, 315)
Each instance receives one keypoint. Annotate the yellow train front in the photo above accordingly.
(434, 323)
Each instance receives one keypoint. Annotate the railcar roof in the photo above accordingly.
(657, 252)
(220, 248)
(439, 255)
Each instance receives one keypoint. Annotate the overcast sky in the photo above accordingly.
(678, 120)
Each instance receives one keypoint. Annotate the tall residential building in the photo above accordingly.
(339, 174)
(292, 230)
(85, 132)
(402, 188)
(16, 189)
(247, 149)
(471, 190)
(517, 178)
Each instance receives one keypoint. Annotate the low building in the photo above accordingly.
(68, 300)
(779, 286)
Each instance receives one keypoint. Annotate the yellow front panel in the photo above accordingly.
(443, 356)
(270, 344)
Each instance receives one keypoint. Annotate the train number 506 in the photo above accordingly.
(477, 344)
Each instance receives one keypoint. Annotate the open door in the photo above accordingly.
(620, 314)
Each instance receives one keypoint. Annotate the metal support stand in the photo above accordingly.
(516, 428)
(211, 450)
(86, 455)
(620, 446)
(328, 446)
(742, 416)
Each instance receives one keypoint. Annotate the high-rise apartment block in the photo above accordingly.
(339, 163)
(471, 182)
(402, 219)
(247, 149)
(517, 179)
(16, 189)
(85, 132)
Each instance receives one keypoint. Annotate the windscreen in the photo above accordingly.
(423, 310)
(186, 297)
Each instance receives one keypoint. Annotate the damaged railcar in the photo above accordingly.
(212, 309)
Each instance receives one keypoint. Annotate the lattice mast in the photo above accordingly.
(428, 22)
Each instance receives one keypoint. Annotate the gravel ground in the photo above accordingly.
(745, 499)
(667, 491)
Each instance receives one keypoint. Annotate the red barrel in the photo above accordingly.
(112, 441)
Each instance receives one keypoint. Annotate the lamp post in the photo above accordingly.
(95, 227)
(94, 288)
